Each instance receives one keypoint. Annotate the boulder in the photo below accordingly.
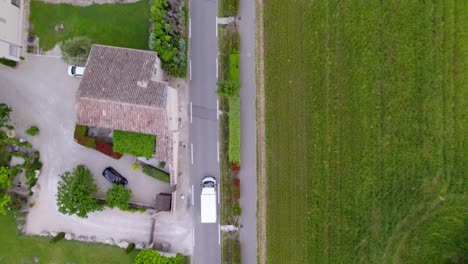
(141, 245)
(109, 241)
(82, 238)
(36, 188)
(69, 236)
(92, 239)
(53, 234)
(38, 172)
(44, 233)
(122, 244)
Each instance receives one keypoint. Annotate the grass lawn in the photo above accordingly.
(123, 25)
(366, 124)
(22, 249)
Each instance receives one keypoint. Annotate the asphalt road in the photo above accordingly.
(203, 139)
(248, 172)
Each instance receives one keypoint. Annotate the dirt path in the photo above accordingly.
(88, 2)
(262, 180)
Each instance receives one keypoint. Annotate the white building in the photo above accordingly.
(11, 29)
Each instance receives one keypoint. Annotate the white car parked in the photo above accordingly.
(75, 71)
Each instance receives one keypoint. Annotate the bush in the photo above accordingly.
(118, 196)
(32, 131)
(130, 247)
(162, 164)
(234, 131)
(228, 89)
(58, 237)
(234, 7)
(140, 145)
(167, 38)
(236, 188)
(236, 210)
(156, 173)
(235, 167)
(83, 140)
(107, 149)
(7, 62)
(76, 50)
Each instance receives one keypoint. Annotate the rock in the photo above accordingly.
(141, 245)
(109, 241)
(69, 236)
(35, 260)
(122, 244)
(38, 172)
(44, 233)
(16, 161)
(82, 238)
(36, 188)
(92, 239)
(53, 233)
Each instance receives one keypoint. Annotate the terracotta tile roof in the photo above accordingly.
(117, 92)
(122, 75)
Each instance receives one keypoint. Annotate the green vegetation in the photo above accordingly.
(366, 123)
(82, 139)
(58, 237)
(136, 144)
(228, 88)
(234, 130)
(118, 196)
(130, 247)
(76, 50)
(5, 111)
(169, 38)
(22, 249)
(77, 193)
(150, 256)
(7, 62)
(156, 173)
(122, 25)
(230, 210)
(32, 131)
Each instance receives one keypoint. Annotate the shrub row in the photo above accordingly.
(234, 7)
(234, 131)
(8, 62)
(168, 38)
(156, 173)
(90, 142)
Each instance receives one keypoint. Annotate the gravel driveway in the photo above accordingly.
(41, 93)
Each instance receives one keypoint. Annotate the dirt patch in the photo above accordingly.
(88, 2)
(261, 151)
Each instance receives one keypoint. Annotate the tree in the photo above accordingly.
(228, 88)
(5, 182)
(77, 193)
(76, 50)
(5, 111)
(118, 196)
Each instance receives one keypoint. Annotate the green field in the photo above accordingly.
(23, 249)
(123, 25)
(366, 131)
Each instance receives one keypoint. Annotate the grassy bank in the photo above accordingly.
(23, 249)
(366, 131)
(123, 25)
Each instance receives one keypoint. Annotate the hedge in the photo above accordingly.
(156, 173)
(83, 140)
(234, 130)
(140, 145)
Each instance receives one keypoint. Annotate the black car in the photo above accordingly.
(114, 177)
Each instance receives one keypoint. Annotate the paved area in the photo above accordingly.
(204, 126)
(41, 93)
(248, 172)
(88, 2)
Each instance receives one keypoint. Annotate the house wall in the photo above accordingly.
(11, 26)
